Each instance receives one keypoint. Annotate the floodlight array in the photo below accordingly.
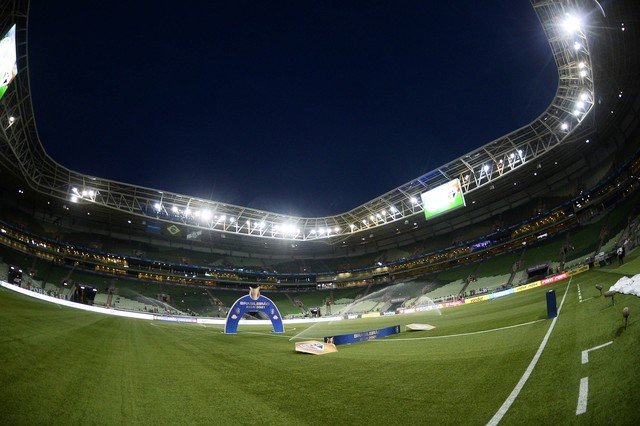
(566, 117)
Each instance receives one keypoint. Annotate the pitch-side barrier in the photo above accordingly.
(221, 321)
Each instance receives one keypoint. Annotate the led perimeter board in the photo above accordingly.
(442, 199)
(8, 63)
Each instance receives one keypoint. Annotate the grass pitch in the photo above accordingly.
(59, 365)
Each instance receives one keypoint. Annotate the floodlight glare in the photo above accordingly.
(580, 104)
(581, 65)
(577, 46)
(414, 200)
(352, 226)
(157, 206)
(485, 167)
(584, 97)
(583, 73)
(175, 209)
(74, 198)
(206, 214)
(371, 218)
(564, 126)
(336, 229)
(571, 24)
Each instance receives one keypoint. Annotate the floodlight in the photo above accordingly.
(313, 231)
(157, 206)
(564, 126)
(581, 65)
(232, 219)
(576, 45)
(571, 24)
(74, 198)
(206, 215)
(580, 104)
(584, 96)
(485, 167)
(371, 218)
(583, 73)
(352, 226)
(414, 200)
(175, 209)
(223, 218)
(336, 229)
(394, 209)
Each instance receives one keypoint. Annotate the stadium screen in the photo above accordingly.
(8, 62)
(442, 199)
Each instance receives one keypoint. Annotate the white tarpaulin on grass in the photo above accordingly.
(626, 285)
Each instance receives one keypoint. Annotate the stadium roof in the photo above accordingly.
(489, 175)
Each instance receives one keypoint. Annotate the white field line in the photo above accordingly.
(271, 334)
(582, 396)
(579, 294)
(585, 353)
(516, 391)
(584, 300)
(459, 334)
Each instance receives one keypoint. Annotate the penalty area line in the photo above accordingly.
(516, 391)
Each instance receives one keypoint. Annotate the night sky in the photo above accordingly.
(304, 107)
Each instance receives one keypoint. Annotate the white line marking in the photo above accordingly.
(584, 300)
(585, 353)
(582, 396)
(459, 334)
(266, 334)
(516, 391)
(579, 294)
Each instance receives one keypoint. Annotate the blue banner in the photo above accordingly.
(346, 339)
(253, 302)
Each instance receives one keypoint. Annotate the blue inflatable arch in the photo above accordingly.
(253, 302)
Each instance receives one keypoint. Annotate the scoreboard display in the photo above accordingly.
(442, 199)
(8, 62)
